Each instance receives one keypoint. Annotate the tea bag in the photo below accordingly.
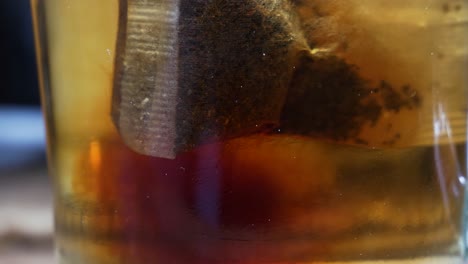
(194, 71)
(190, 72)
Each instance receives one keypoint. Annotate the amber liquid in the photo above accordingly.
(265, 198)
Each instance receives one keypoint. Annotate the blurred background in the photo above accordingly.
(25, 193)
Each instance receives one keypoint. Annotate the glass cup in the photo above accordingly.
(256, 131)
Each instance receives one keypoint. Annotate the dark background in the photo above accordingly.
(18, 78)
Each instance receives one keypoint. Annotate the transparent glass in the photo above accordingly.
(350, 149)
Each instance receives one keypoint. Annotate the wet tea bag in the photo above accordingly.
(194, 71)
